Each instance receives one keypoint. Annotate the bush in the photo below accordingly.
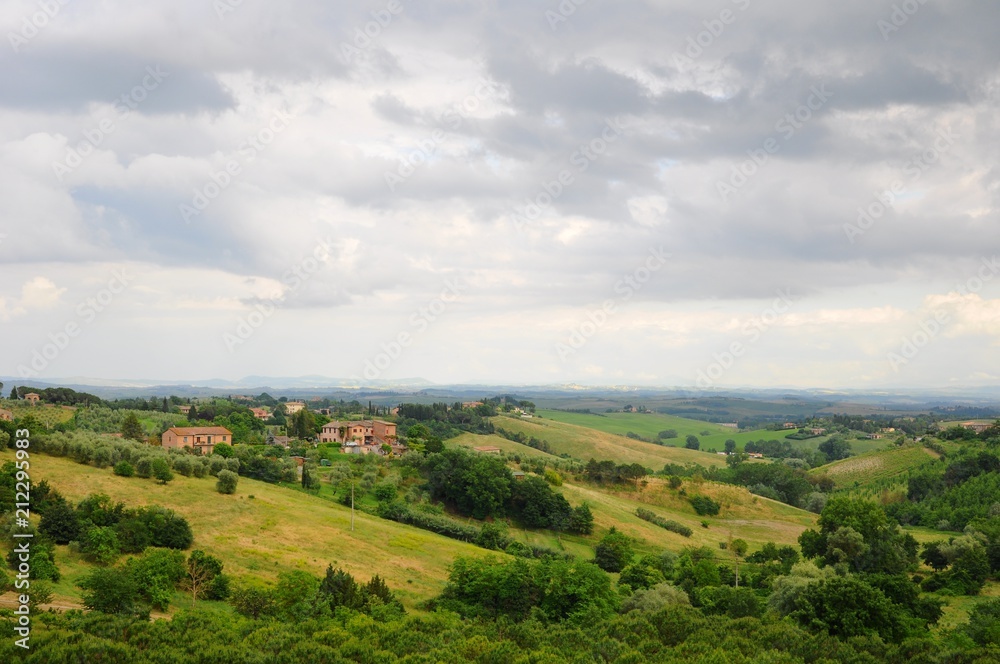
(385, 491)
(144, 467)
(672, 526)
(614, 551)
(704, 505)
(110, 591)
(161, 470)
(182, 465)
(227, 482)
(216, 464)
(124, 469)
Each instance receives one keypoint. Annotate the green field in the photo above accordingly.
(583, 443)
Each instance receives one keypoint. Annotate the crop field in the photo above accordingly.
(876, 469)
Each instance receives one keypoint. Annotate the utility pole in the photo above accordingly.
(352, 506)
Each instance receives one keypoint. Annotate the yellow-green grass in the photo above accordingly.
(472, 440)
(876, 467)
(583, 443)
(279, 529)
(753, 518)
(957, 609)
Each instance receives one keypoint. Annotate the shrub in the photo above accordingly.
(182, 465)
(124, 469)
(161, 470)
(704, 505)
(144, 467)
(672, 526)
(227, 482)
(614, 551)
(216, 464)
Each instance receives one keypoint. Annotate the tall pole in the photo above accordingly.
(352, 506)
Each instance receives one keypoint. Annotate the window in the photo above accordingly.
(185, 439)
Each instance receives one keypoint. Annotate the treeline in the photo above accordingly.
(447, 421)
(609, 472)
(530, 441)
(60, 396)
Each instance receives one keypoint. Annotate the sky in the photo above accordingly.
(685, 193)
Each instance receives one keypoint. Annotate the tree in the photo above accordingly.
(60, 522)
(13, 393)
(614, 551)
(847, 607)
(730, 446)
(227, 482)
(984, 623)
(581, 522)
(132, 428)
(835, 448)
(692, 442)
(161, 470)
(739, 549)
(199, 572)
(100, 545)
(110, 591)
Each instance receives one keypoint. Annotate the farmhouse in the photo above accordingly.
(260, 413)
(370, 432)
(292, 407)
(201, 439)
(32, 398)
(184, 410)
(487, 449)
(729, 425)
(6, 415)
(875, 436)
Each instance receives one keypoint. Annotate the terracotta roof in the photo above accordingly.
(194, 431)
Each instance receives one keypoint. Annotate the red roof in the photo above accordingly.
(203, 431)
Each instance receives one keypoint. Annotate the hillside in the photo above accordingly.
(586, 443)
(876, 470)
(265, 528)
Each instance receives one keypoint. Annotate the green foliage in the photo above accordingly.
(704, 506)
(581, 522)
(557, 589)
(124, 469)
(847, 607)
(668, 524)
(156, 574)
(692, 442)
(642, 574)
(477, 485)
(614, 551)
(984, 623)
(99, 544)
(161, 470)
(110, 591)
(859, 534)
(131, 428)
(227, 481)
(60, 522)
